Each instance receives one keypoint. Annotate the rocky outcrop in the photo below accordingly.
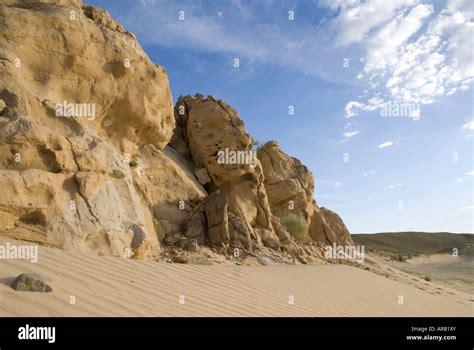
(289, 184)
(211, 135)
(335, 223)
(290, 188)
(93, 157)
(80, 100)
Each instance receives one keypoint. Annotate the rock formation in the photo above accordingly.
(93, 156)
(290, 188)
(205, 127)
(81, 100)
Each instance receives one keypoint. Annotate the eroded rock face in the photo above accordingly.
(337, 226)
(290, 188)
(93, 157)
(209, 133)
(80, 101)
(246, 200)
(289, 184)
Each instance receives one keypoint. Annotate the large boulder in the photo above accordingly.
(80, 101)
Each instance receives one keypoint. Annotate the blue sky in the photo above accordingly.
(340, 65)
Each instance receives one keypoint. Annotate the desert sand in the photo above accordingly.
(108, 286)
(455, 272)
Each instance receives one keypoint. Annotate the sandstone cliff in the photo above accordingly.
(66, 180)
(93, 156)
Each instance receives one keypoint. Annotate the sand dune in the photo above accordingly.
(105, 286)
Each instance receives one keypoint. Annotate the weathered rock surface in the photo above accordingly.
(289, 184)
(65, 177)
(290, 188)
(30, 282)
(205, 127)
(93, 157)
(337, 226)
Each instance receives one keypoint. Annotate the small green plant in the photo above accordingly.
(427, 278)
(297, 227)
(400, 258)
(256, 144)
(134, 162)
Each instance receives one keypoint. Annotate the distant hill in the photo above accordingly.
(412, 243)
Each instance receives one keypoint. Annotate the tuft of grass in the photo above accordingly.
(256, 144)
(134, 162)
(297, 227)
(427, 278)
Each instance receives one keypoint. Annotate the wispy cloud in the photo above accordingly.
(395, 186)
(349, 134)
(469, 125)
(413, 51)
(385, 144)
(237, 29)
(370, 172)
(469, 207)
(468, 175)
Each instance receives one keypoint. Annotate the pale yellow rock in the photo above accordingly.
(290, 189)
(94, 158)
(66, 179)
(337, 226)
(167, 185)
(206, 129)
(3, 105)
(289, 184)
(202, 175)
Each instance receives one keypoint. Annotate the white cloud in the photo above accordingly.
(469, 125)
(336, 184)
(461, 179)
(350, 134)
(357, 18)
(383, 46)
(395, 186)
(469, 207)
(385, 144)
(414, 52)
(353, 107)
(370, 172)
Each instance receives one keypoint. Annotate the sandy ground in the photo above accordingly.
(105, 286)
(455, 272)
